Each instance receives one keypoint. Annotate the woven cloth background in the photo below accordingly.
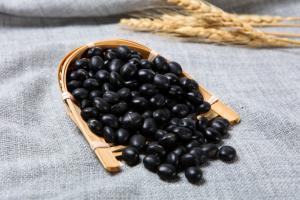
(44, 156)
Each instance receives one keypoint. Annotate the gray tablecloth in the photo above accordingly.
(44, 156)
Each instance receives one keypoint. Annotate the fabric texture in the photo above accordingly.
(44, 156)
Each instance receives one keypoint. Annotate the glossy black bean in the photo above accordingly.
(135, 94)
(158, 101)
(166, 171)
(132, 120)
(195, 97)
(107, 87)
(101, 105)
(111, 97)
(210, 150)
(175, 121)
(161, 82)
(203, 107)
(157, 149)
(188, 84)
(123, 52)
(170, 127)
(89, 112)
(138, 141)
(124, 93)
(95, 51)
(202, 124)
(81, 64)
(160, 133)
(199, 155)
(212, 135)
(162, 115)
(192, 144)
(146, 75)
(115, 79)
(180, 110)
(176, 91)
(151, 162)
(85, 103)
(95, 93)
(145, 64)
(191, 106)
(172, 158)
(183, 133)
(149, 127)
(80, 93)
(168, 141)
(188, 160)
(147, 114)
(222, 120)
(175, 68)
(173, 78)
(95, 126)
(148, 89)
(160, 64)
(199, 137)
(122, 136)
(132, 84)
(110, 120)
(73, 75)
(102, 76)
(96, 63)
(82, 74)
(91, 84)
(180, 150)
(110, 54)
(220, 126)
(170, 102)
(188, 123)
(135, 60)
(193, 174)
(109, 134)
(73, 84)
(131, 156)
(115, 65)
(128, 70)
(119, 108)
(139, 103)
(227, 153)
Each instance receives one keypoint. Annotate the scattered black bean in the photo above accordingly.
(151, 162)
(227, 153)
(193, 174)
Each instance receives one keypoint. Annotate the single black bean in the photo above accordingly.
(123, 52)
(107, 87)
(166, 171)
(155, 148)
(115, 65)
(148, 89)
(138, 141)
(175, 121)
(146, 75)
(183, 133)
(73, 75)
(202, 124)
(139, 103)
(110, 54)
(220, 126)
(115, 79)
(82, 74)
(124, 93)
(212, 135)
(95, 126)
(110, 120)
(158, 101)
(111, 97)
(95, 51)
(200, 155)
(172, 158)
(135, 94)
(73, 84)
(149, 127)
(180, 110)
(119, 108)
(130, 155)
(188, 84)
(195, 97)
(145, 64)
(135, 59)
(132, 84)
(161, 82)
(102, 76)
(128, 70)
(176, 91)
(85, 103)
(160, 133)
(180, 150)
(203, 107)
(192, 144)
(175, 68)
(162, 115)
(89, 112)
(147, 114)
(101, 105)
(210, 150)
(96, 63)
(122, 136)
(91, 84)
(174, 79)
(227, 153)
(169, 141)
(193, 174)
(81, 63)
(109, 134)
(80, 93)
(160, 64)
(95, 93)
(151, 162)
(188, 160)
(188, 123)
(132, 120)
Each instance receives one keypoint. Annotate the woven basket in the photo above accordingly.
(107, 153)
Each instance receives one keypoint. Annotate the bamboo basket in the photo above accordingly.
(109, 154)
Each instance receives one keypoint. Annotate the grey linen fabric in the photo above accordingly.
(44, 156)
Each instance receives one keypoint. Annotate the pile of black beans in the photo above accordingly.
(151, 107)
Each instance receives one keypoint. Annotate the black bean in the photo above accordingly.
(175, 121)
(123, 52)
(95, 51)
(180, 110)
(159, 134)
(101, 105)
(174, 79)
(176, 91)
(161, 82)
(135, 94)
(89, 112)
(139, 103)
(124, 93)
(145, 64)
(131, 156)
(220, 126)
(110, 120)
(81, 64)
(151, 162)
(188, 123)
(183, 133)
(192, 144)
(122, 136)
(73, 84)
(166, 171)
(188, 84)
(132, 84)
(109, 134)
(210, 150)
(170, 102)
(132, 120)
(195, 97)
(172, 158)
(160, 64)
(102, 76)
(115, 65)
(82, 74)
(95, 93)
(155, 148)
(146, 75)
(193, 174)
(203, 107)
(148, 89)
(158, 101)
(162, 115)
(138, 141)
(95, 126)
(212, 135)
(73, 75)
(127, 71)
(169, 141)
(135, 59)
(200, 155)
(147, 114)
(110, 54)
(170, 127)
(115, 79)
(149, 127)
(91, 84)
(202, 124)
(85, 103)
(119, 108)
(96, 63)
(107, 87)
(175, 68)
(180, 150)
(111, 97)
(188, 160)
(80, 93)
(227, 153)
